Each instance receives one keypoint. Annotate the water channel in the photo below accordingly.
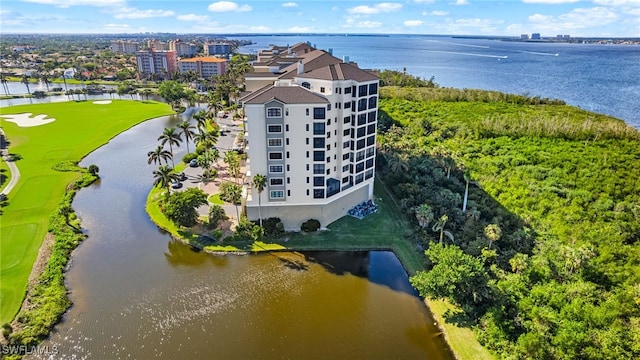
(138, 294)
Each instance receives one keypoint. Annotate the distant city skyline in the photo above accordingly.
(579, 18)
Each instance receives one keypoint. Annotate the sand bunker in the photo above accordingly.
(25, 120)
(102, 102)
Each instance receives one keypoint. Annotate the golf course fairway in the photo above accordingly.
(77, 129)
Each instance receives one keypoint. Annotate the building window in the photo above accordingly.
(362, 90)
(361, 132)
(360, 155)
(274, 129)
(276, 181)
(345, 156)
(328, 121)
(275, 169)
(307, 141)
(373, 102)
(287, 154)
(307, 179)
(307, 125)
(328, 107)
(307, 111)
(368, 174)
(345, 168)
(371, 151)
(318, 168)
(318, 155)
(306, 85)
(371, 129)
(360, 144)
(371, 140)
(286, 111)
(345, 179)
(369, 164)
(318, 181)
(328, 159)
(287, 141)
(346, 120)
(318, 143)
(359, 178)
(307, 192)
(274, 112)
(322, 89)
(372, 116)
(347, 105)
(276, 194)
(288, 167)
(373, 89)
(287, 127)
(319, 113)
(362, 104)
(362, 119)
(347, 90)
(307, 156)
(318, 193)
(288, 192)
(275, 155)
(318, 128)
(275, 142)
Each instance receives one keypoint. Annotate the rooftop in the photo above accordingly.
(284, 94)
(204, 59)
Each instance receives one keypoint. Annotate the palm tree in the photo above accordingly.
(439, 226)
(232, 160)
(171, 136)
(25, 81)
(45, 80)
(424, 214)
(187, 132)
(259, 182)
(164, 176)
(493, 232)
(232, 193)
(5, 84)
(201, 119)
(467, 178)
(156, 156)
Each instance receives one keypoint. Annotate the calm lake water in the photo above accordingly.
(599, 78)
(138, 294)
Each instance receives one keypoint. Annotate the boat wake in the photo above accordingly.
(469, 54)
(538, 53)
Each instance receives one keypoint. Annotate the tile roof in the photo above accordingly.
(284, 94)
(341, 71)
(312, 61)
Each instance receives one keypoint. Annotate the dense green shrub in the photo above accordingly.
(216, 215)
(188, 157)
(273, 228)
(310, 225)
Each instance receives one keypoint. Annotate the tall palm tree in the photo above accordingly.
(156, 156)
(232, 193)
(467, 178)
(233, 161)
(259, 182)
(201, 119)
(25, 81)
(171, 136)
(45, 79)
(187, 132)
(206, 138)
(439, 226)
(5, 84)
(163, 177)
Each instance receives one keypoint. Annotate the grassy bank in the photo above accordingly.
(79, 128)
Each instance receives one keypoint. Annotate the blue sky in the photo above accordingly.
(603, 18)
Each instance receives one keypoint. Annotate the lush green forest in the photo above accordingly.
(543, 255)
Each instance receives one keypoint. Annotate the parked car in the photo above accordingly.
(193, 163)
(176, 184)
(182, 176)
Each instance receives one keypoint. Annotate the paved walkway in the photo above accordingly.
(13, 169)
(194, 174)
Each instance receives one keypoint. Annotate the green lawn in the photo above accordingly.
(80, 127)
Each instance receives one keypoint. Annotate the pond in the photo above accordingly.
(139, 294)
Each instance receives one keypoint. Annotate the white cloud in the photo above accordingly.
(579, 18)
(228, 6)
(69, 3)
(439, 13)
(618, 2)
(424, 1)
(289, 4)
(299, 29)
(413, 23)
(192, 17)
(369, 24)
(549, 2)
(133, 13)
(375, 9)
(462, 2)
